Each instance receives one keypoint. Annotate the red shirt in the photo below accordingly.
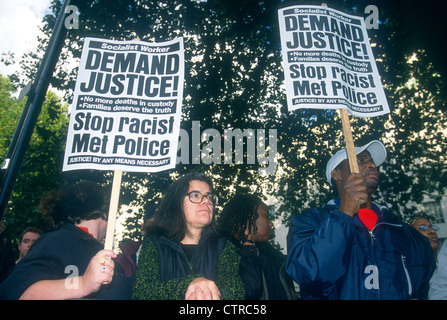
(368, 217)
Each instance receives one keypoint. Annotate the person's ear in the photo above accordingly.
(336, 174)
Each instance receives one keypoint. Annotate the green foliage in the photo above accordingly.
(10, 110)
(234, 79)
(40, 170)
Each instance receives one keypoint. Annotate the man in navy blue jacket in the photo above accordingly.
(353, 248)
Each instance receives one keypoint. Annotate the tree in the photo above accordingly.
(234, 80)
(40, 171)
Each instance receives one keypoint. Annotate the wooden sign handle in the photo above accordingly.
(350, 148)
(113, 209)
(352, 157)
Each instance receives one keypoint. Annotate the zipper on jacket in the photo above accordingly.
(410, 287)
(373, 237)
(373, 246)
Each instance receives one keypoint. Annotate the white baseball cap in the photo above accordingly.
(375, 148)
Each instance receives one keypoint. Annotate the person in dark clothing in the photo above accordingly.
(181, 256)
(130, 249)
(245, 220)
(69, 263)
(7, 261)
(353, 248)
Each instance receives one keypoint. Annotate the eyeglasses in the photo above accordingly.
(425, 227)
(197, 197)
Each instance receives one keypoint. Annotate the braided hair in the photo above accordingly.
(238, 214)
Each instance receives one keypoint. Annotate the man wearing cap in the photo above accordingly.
(353, 248)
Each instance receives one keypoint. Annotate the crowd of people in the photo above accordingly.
(352, 248)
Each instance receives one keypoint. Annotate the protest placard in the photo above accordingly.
(328, 62)
(126, 111)
(127, 105)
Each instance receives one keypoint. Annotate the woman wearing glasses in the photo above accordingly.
(421, 222)
(182, 257)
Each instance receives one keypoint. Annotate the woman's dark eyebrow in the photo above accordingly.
(200, 192)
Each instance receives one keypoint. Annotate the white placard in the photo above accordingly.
(328, 62)
(127, 105)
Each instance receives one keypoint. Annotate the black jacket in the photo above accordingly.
(175, 264)
(262, 269)
(7, 262)
(59, 255)
(165, 270)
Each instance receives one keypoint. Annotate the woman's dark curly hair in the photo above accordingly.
(170, 218)
(73, 203)
(238, 213)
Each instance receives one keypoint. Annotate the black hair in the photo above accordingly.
(74, 203)
(170, 219)
(238, 214)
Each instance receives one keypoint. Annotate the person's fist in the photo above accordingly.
(352, 194)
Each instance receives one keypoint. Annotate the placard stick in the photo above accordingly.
(113, 209)
(113, 206)
(350, 148)
(352, 157)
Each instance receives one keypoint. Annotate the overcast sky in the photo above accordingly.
(19, 26)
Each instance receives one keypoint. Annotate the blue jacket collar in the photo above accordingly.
(383, 212)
